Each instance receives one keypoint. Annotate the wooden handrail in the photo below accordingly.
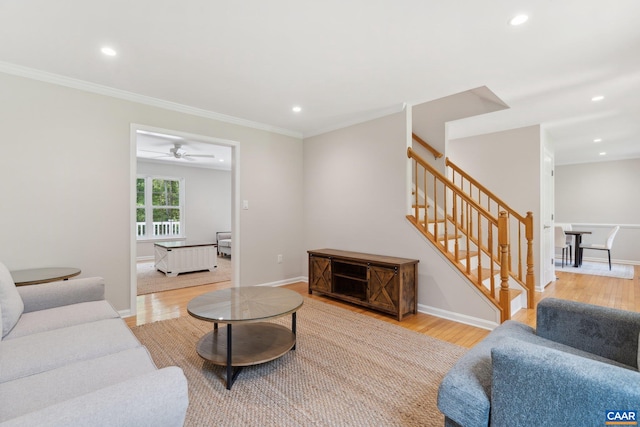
(482, 188)
(452, 213)
(425, 144)
(411, 153)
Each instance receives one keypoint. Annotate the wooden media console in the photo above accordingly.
(383, 283)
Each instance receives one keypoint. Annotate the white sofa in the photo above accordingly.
(68, 359)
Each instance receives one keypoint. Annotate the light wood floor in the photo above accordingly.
(616, 293)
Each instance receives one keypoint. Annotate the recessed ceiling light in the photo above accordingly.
(597, 140)
(518, 20)
(597, 98)
(296, 109)
(603, 153)
(221, 160)
(108, 51)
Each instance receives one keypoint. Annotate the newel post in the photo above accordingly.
(530, 278)
(503, 242)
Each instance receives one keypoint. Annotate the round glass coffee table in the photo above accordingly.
(251, 340)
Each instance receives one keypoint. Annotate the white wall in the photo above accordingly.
(355, 199)
(509, 164)
(596, 196)
(207, 201)
(66, 179)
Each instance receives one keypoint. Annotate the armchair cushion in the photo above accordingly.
(11, 305)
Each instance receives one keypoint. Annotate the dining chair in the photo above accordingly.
(603, 247)
(569, 238)
(561, 242)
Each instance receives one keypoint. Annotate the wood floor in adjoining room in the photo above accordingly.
(605, 291)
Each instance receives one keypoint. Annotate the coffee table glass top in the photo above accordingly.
(244, 304)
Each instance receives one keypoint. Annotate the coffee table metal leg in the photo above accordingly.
(293, 328)
(231, 374)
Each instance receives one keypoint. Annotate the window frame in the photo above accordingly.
(149, 207)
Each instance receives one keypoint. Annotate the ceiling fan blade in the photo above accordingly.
(155, 152)
(199, 155)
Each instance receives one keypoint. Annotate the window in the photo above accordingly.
(159, 207)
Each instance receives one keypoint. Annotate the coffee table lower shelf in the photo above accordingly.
(246, 345)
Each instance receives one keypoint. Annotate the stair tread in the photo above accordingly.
(463, 254)
(513, 294)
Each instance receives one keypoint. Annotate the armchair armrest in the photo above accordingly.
(536, 385)
(57, 294)
(606, 332)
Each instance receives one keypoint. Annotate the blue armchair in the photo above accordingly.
(579, 366)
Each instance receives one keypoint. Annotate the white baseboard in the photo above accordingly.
(457, 317)
(145, 258)
(613, 261)
(285, 281)
(125, 313)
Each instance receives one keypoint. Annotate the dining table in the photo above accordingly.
(577, 253)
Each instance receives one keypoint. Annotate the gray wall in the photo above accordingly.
(356, 192)
(597, 196)
(66, 168)
(207, 201)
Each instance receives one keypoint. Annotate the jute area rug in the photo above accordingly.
(348, 369)
(151, 280)
(620, 271)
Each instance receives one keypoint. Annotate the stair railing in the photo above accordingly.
(454, 214)
(522, 240)
(427, 146)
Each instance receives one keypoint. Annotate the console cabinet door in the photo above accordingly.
(384, 286)
(320, 274)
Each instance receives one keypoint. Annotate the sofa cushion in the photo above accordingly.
(40, 352)
(62, 317)
(224, 243)
(39, 391)
(11, 305)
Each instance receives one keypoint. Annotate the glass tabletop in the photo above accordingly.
(244, 304)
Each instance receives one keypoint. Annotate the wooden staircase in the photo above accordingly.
(490, 243)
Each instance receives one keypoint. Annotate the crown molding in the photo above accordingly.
(360, 118)
(44, 76)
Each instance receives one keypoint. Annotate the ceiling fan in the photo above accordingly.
(177, 152)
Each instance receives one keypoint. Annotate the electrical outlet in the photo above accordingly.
(279, 258)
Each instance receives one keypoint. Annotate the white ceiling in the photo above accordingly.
(343, 61)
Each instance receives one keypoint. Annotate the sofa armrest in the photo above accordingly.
(606, 332)
(536, 385)
(158, 398)
(65, 292)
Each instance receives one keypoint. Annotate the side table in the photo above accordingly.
(35, 276)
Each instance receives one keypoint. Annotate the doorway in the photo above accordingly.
(165, 149)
